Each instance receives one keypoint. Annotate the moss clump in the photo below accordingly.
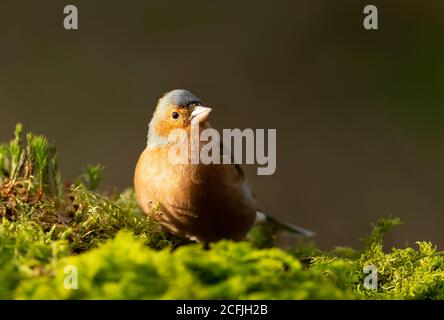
(124, 268)
(119, 253)
(406, 273)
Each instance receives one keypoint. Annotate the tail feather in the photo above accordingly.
(299, 232)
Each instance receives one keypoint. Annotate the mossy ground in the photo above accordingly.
(119, 253)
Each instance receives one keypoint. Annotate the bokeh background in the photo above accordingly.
(359, 114)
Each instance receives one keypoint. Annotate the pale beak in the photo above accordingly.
(200, 114)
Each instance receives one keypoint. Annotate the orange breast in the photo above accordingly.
(202, 201)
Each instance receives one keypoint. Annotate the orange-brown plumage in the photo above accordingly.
(193, 200)
(201, 201)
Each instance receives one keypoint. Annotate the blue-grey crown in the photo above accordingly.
(181, 98)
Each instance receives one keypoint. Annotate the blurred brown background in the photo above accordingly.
(359, 114)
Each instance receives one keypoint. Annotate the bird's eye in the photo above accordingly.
(175, 115)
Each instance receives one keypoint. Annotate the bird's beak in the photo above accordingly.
(200, 114)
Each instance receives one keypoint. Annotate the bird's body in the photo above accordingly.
(193, 200)
(207, 202)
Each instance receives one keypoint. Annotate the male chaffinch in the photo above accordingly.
(205, 202)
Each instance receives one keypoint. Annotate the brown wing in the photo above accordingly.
(240, 175)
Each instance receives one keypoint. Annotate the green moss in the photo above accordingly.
(91, 176)
(26, 251)
(405, 273)
(381, 227)
(46, 229)
(125, 268)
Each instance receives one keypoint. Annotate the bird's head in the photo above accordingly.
(177, 109)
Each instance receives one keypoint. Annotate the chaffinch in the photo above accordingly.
(204, 202)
